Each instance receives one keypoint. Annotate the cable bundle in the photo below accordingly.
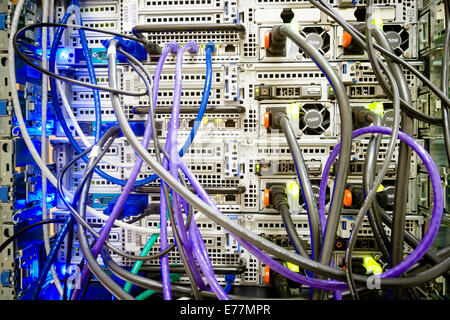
(177, 202)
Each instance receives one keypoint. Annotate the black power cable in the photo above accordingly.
(279, 119)
(25, 59)
(26, 229)
(280, 203)
(444, 79)
(404, 161)
(365, 116)
(359, 37)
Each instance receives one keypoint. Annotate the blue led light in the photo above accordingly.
(50, 197)
(35, 269)
(63, 269)
(64, 55)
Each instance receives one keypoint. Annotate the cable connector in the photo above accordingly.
(173, 46)
(193, 46)
(289, 195)
(275, 117)
(293, 197)
(132, 47)
(275, 42)
(293, 114)
(230, 277)
(153, 49)
(376, 107)
(211, 46)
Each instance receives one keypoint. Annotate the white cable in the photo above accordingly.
(44, 102)
(26, 137)
(67, 107)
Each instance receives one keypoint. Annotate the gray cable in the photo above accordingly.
(444, 80)
(305, 184)
(430, 257)
(372, 191)
(251, 237)
(112, 67)
(404, 161)
(346, 140)
(93, 265)
(369, 172)
(289, 225)
(360, 39)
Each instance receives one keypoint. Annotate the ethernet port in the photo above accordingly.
(230, 124)
(230, 198)
(229, 48)
(191, 123)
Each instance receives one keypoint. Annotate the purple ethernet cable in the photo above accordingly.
(428, 239)
(127, 189)
(172, 136)
(184, 241)
(171, 143)
(201, 253)
(338, 285)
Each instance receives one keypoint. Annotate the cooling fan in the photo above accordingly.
(318, 37)
(398, 37)
(315, 119)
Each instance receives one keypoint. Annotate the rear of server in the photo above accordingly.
(246, 110)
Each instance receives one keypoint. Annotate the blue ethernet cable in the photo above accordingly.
(210, 47)
(92, 77)
(206, 92)
(51, 257)
(229, 278)
(89, 63)
(62, 120)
